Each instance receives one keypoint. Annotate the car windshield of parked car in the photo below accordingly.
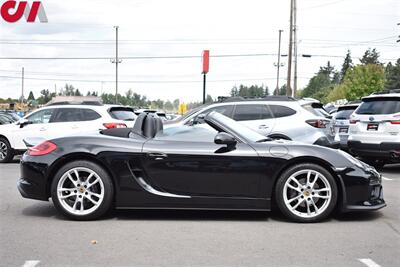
(237, 127)
(344, 114)
(379, 107)
(124, 114)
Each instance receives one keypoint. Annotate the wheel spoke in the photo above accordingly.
(75, 203)
(91, 200)
(294, 188)
(296, 181)
(65, 189)
(298, 203)
(293, 199)
(308, 178)
(71, 194)
(315, 179)
(94, 194)
(72, 179)
(321, 196)
(308, 207)
(94, 182)
(77, 175)
(315, 206)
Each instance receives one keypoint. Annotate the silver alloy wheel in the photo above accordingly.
(3, 150)
(80, 191)
(307, 193)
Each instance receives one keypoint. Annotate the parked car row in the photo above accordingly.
(276, 117)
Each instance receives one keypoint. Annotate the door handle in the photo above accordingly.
(74, 127)
(42, 129)
(157, 155)
(263, 126)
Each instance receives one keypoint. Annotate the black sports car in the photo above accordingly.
(219, 164)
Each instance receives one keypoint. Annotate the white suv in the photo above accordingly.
(61, 120)
(278, 117)
(375, 129)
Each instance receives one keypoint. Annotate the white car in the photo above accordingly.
(61, 120)
(375, 129)
(277, 117)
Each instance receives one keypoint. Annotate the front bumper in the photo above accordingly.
(363, 189)
(325, 141)
(385, 150)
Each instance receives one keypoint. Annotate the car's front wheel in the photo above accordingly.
(6, 151)
(82, 190)
(306, 193)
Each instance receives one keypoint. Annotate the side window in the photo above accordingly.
(224, 110)
(90, 115)
(68, 115)
(281, 111)
(41, 116)
(251, 112)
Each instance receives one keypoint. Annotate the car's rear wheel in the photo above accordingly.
(82, 190)
(6, 151)
(306, 193)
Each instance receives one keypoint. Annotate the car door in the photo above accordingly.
(255, 116)
(189, 163)
(39, 125)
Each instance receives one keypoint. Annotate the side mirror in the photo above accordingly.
(22, 122)
(225, 139)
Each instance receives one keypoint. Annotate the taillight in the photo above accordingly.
(42, 149)
(354, 121)
(114, 125)
(318, 123)
(395, 122)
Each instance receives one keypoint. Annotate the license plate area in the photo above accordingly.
(372, 126)
(343, 130)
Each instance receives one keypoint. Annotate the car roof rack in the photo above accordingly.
(75, 100)
(66, 103)
(225, 99)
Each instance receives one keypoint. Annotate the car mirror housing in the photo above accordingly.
(22, 122)
(223, 138)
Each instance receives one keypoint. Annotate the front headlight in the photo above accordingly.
(352, 159)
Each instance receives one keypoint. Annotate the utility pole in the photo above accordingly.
(294, 91)
(55, 89)
(279, 63)
(289, 73)
(22, 88)
(116, 61)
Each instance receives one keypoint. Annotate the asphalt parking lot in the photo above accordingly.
(33, 234)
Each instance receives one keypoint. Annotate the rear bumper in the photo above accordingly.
(384, 150)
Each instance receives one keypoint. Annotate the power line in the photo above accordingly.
(141, 81)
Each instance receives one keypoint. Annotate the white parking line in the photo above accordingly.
(30, 263)
(387, 179)
(369, 262)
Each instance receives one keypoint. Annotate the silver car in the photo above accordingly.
(277, 117)
(341, 122)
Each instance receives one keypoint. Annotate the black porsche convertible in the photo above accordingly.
(218, 164)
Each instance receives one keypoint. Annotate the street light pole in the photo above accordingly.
(289, 73)
(279, 63)
(22, 88)
(294, 92)
(116, 61)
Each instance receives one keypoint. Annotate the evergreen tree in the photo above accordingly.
(392, 75)
(31, 96)
(347, 64)
(370, 57)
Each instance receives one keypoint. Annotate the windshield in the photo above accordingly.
(236, 127)
(344, 114)
(122, 114)
(379, 107)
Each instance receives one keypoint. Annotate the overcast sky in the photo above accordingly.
(326, 29)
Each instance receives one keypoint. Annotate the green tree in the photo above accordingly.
(347, 64)
(45, 96)
(370, 57)
(31, 96)
(363, 80)
(392, 75)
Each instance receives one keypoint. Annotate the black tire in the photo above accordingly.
(279, 193)
(9, 153)
(107, 201)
